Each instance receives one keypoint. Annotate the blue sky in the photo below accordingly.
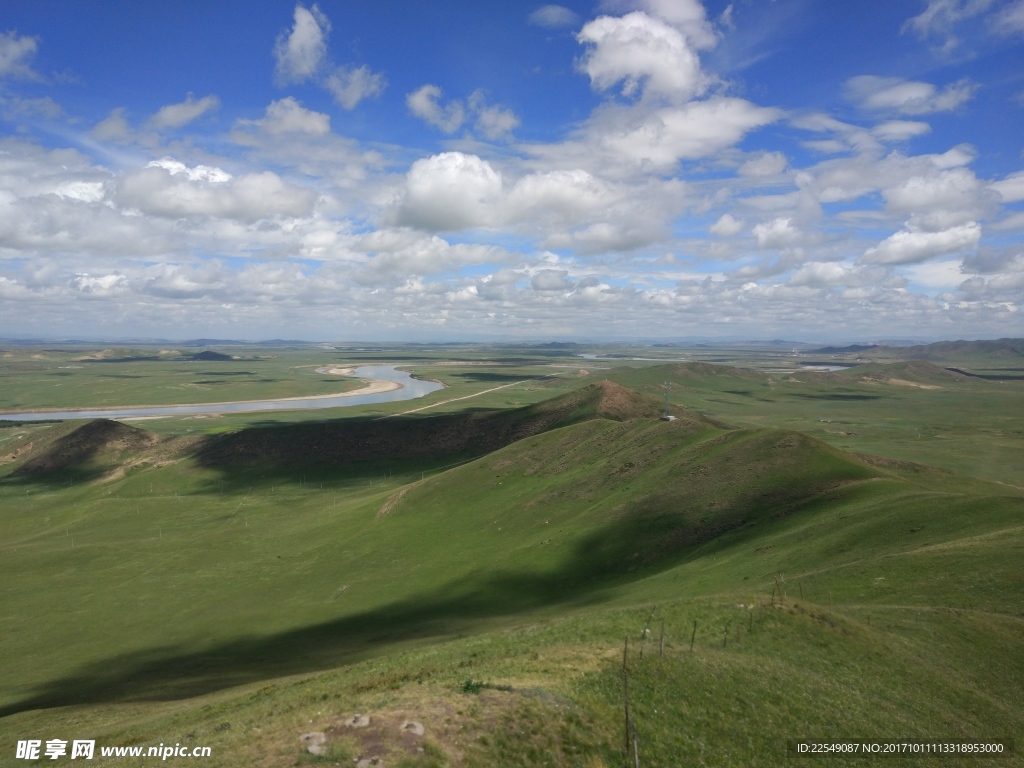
(465, 170)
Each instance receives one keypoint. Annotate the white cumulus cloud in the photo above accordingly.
(726, 226)
(425, 103)
(496, 122)
(820, 273)
(900, 130)
(908, 97)
(909, 246)
(288, 116)
(449, 191)
(351, 85)
(778, 233)
(114, 127)
(940, 18)
(644, 54)
(1010, 20)
(939, 199)
(197, 173)
(765, 164)
(301, 52)
(177, 115)
(553, 17)
(700, 128)
(568, 194)
(16, 52)
(170, 189)
(100, 286)
(1010, 189)
(551, 280)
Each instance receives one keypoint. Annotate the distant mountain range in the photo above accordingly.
(940, 350)
(236, 342)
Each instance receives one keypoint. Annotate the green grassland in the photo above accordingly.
(80, 378)
(919, 411)
(476, 566)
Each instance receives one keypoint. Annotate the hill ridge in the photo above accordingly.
(465, 434)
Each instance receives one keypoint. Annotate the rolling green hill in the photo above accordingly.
(981, 350)
(902, 373)
(448, 435)
(190, 590)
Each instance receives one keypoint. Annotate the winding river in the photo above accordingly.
(408, 389)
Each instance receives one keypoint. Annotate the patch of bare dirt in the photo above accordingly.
(905, 383)
(18, 452)
(392, 501)
(459, 728)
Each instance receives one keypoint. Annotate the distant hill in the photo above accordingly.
(698, 370)
(996, 348)
(211, 342)
(210, 356)
(846, 350)
(990, 349)
(912, 372)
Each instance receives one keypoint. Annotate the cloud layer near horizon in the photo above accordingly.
(658, 213)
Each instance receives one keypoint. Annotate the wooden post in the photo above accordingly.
(751, 627)
(694, 635)
(801, 590)
(625, 690)
(661, 640)
(643, 635)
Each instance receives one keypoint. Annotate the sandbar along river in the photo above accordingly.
(408, 389)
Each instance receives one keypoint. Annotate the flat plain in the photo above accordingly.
(801, 553)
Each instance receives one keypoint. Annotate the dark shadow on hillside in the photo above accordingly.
(139, 359)
(496, 378)
(82, 452)
(627, 550)
(836, 396)
(278, 450)
(990, 376)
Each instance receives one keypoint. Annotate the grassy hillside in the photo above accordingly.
(994, 351)
(916, 410)
(462, 434)
(911, 373)
(162, 591)
(32, 379)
